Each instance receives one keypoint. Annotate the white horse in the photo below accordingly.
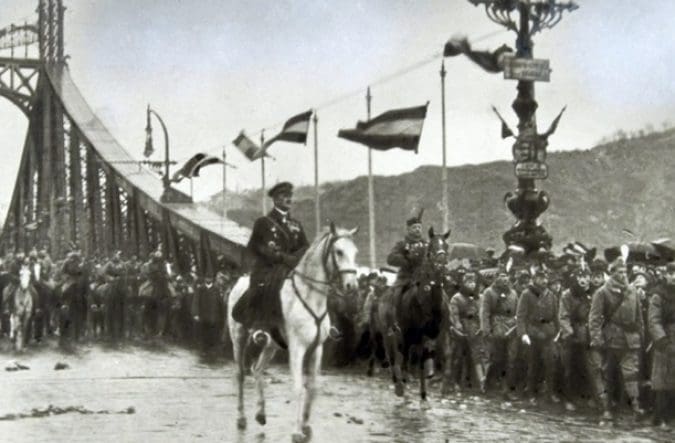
(327, 268)
(20, 300)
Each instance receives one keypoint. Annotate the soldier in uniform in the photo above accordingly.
(408, 255)
(498, 325)
(114, 271)
(537, 318)
(617, 331)
(277, 242)
(662, 330)
(575, 303)
(71, 272)
(465, 349)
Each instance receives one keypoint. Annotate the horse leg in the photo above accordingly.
(395, 358)
(263, 362)
(296, 355)
(239, 340)
(313, 368)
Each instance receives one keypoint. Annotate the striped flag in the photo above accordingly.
(398, 128)
(294, 131)
(247, 147)
(193, 165)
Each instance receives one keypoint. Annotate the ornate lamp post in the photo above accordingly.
(166, 180)
(527, 203)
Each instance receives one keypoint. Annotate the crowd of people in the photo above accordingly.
(115, 299)
(584, 331)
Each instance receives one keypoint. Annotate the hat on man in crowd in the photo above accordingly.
(280, 188)
(415, 219)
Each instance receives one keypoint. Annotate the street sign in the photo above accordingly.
(528, 69)
(523, 149)
(531, 170)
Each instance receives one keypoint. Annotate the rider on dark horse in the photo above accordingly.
(277, 243)
(408, 255)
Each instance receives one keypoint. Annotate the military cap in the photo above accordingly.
(598, 265)
(280, 188)
(416, 219)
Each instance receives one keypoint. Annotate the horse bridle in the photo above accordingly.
(335, 279)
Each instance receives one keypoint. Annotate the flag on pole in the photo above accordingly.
(294, 131)
(397, 128)
(193, 165)
(506, 131)
(489, 61)
(247, 147)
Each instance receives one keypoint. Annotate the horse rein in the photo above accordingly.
(333, 276)
(337, 274)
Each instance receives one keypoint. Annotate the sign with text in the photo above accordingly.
(531, 170)
(535, 70)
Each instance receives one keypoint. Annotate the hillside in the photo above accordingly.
(594, 194)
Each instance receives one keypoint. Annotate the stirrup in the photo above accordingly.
(260, 337)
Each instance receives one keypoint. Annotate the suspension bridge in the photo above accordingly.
(76, 184)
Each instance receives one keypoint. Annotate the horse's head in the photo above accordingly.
(339, 257)
(437, 250)
(24, 276)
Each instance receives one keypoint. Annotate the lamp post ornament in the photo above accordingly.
(526, 203)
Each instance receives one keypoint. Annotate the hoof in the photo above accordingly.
(307, 430)
(241, 423)
(298, 438)
(260, 418)
(399, 390)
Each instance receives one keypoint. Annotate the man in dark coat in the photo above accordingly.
(407, 255)
(537, 318)
(661, 322)
(616, 331)
(277, 242)
(575, 304)
(498, 324)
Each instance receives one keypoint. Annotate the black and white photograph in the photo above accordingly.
(384, 221)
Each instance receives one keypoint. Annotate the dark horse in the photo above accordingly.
(409, 324)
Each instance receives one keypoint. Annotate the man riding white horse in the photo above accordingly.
(277, 243)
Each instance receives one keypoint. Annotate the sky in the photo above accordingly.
(214, 67)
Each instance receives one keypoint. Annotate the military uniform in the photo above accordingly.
(537, 317)
(465, 344)
(114, 271)
(616, 334)
(575, 304)
(498, 325)
(407, 255)
(662, 330)
(277, 242)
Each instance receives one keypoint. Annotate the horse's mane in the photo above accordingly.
(318, 243)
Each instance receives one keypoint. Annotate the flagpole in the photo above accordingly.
(262, 171)
(224, 180)
(317, 204)
(191, 189)
(371, 194)
(444, 171)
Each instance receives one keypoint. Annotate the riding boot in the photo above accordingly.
(660, 407)
(633, 391)
(606, 412)
(480, 376)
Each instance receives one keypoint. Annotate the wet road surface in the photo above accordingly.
(164, 393)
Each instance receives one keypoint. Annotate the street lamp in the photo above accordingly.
(527, 203)
(149, 150)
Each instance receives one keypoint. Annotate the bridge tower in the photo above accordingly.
(76, 186)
